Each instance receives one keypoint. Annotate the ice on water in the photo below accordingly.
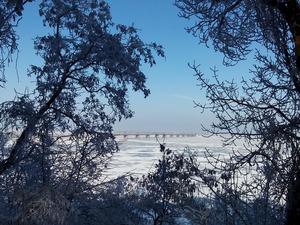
(138, 155)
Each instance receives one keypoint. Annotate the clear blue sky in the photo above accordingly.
(173, 87)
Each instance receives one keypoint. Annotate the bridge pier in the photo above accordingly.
(155, 135)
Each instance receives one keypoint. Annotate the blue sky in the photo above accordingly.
(170, 106)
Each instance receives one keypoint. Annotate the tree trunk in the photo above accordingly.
(293, 203)
(157, 221)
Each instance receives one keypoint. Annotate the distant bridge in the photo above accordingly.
(152, 134)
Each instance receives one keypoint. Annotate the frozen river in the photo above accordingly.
(138, 155)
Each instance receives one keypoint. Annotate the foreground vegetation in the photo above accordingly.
(170, 194)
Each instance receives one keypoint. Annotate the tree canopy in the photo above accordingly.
(59, 136)
(265, 108)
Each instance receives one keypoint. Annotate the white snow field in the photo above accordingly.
(138, 155)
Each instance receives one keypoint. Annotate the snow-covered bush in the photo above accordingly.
(165, 190)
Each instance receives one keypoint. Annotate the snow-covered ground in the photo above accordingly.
(138, 155)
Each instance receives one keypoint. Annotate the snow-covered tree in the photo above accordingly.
(60, 133)
(165, 190)
(10, 12)
(264, 109)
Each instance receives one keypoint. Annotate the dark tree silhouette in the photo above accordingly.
(265, 109)
(168, 186)
(59, 135)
